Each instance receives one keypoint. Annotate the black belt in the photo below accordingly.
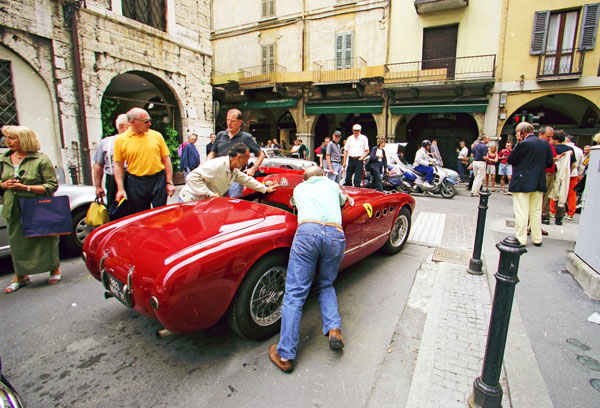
(355, 157)
(151, 176)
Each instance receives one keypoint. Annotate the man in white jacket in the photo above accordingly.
(214, 177)
(423, 163)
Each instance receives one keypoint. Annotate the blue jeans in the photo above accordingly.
(337, 168)
(428, 170)
(312, 243)
(461, 170)
(235, 190)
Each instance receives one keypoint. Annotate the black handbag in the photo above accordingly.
(45, 216)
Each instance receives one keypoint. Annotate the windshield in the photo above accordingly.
(271, 153)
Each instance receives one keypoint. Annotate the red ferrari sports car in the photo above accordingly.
(188, 265)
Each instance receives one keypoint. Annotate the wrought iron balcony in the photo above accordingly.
(442, 70)
(260, 75)
(339, 70)
(434, 6)
(560, 65)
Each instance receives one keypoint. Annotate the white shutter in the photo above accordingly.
(348, 50)
(538, 37)
(339, 51)
(589, 26)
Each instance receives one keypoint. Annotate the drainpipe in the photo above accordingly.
(70, 16)
(303, 33)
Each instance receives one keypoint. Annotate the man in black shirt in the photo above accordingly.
(226, 139)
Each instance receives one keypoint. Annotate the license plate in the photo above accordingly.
(116, 288)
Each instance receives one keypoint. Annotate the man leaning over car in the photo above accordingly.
(319, 240)
(214, 177)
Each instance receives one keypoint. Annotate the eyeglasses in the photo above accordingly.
(146, 121)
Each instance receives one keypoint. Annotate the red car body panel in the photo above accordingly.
(191, 257)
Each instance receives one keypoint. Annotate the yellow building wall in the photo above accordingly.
(478, 29)
(519, 28)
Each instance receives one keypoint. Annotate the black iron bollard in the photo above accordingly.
(487, 392)
(476, 263)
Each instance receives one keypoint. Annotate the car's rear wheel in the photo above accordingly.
(255, 311)
(74, 241)
(399, 234)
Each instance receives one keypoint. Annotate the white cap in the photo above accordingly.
(356, 127)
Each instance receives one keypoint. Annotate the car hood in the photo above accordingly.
(147, 237)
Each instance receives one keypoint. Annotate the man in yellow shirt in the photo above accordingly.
(149, 177)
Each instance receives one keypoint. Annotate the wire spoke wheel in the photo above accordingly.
(267, 297)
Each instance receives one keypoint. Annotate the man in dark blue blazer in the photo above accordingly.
(529, 159)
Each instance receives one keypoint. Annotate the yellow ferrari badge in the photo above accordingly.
(369, 209)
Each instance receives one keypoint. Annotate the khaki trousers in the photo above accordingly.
(546, 199)
(528, 207)
(479, 174)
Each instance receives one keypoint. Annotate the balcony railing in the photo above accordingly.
(339, 70)
(443, 69)
(260, 75)
(567, 64)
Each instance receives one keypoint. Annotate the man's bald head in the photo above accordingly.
(524, 128)
(312, 171)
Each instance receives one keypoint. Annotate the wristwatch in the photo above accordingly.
(28, 188)
(170, 182)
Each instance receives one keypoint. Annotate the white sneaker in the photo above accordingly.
(569, 217)
(427, 185)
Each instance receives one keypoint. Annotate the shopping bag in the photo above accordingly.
(97, 214)
(45, 216)
(118, 209)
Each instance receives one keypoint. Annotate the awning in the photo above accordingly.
(272, 103)
(465, 108)
(344, 107)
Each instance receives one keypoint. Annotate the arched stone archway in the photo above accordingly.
(144, 90)
(261, 124)
(575, 114)
(447, 128)
(366, 121)
(287, 129)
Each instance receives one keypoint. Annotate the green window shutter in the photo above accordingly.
(540, 29)
(587, 36)
(264, 8)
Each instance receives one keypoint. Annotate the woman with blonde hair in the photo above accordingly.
(490, 168)
(26, 172)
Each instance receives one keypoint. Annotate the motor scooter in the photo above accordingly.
(406, 179)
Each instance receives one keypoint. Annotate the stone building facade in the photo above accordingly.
(159, 58)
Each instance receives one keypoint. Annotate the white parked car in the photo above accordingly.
(80, 198)
(275, 158)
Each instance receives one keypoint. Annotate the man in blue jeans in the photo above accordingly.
(319, 239)
(423, 163)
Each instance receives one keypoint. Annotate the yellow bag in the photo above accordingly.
(97, 214)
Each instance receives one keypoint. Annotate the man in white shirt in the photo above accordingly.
(423, 163)
(463, 159)
(356, 149)
(214, 177)
(103, 162)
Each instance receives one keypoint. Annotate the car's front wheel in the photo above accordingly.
(399, 234)
(255, 311)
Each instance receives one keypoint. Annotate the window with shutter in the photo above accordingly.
(538, 37)
(268, 58)
(268, 8)
(343, 50)
(8, 106)
(587, 36)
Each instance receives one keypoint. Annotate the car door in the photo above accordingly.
(4, 247)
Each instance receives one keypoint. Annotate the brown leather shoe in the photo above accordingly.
(285, 366)
(335, 339)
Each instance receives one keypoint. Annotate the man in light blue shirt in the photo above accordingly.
(319, 239)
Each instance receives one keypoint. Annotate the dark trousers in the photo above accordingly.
(111, 188)
(355, 167)
(145, 192)
(376, 183)
(461, 170)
